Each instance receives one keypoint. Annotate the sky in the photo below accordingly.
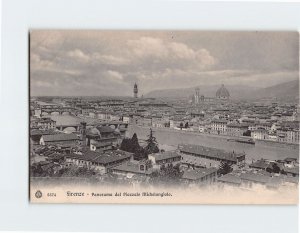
(108, 63)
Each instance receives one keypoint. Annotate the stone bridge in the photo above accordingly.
(59, 110)
(116, 125)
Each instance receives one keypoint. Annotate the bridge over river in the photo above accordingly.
(73, 122)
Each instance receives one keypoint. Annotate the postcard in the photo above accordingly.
(164, 117)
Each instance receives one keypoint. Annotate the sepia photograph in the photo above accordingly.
(163, 117)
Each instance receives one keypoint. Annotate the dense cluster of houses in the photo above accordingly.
(97, 147)
(265, 120)
(199, 165)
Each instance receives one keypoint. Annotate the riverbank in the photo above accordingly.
(260, 150)
(227, 137)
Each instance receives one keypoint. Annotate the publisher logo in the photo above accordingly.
(38, 194)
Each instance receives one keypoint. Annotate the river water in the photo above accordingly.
(171, 138)
(69, 119)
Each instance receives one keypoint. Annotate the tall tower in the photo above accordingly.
(197, 95)
(135, 91)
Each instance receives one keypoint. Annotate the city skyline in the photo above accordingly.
(221, 117)
(108, 63)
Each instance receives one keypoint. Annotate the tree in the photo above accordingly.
(225, 168)
(186, 125)
(167, 175)
(140, 154)
(130, 144)
(135, 146)
(273, 168)
(126, 145)
(171, 172)
(181, 125)
(74, 171)
(36, 170)
(152, 145)
(247, 133)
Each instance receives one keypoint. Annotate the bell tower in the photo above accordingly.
(135, 91)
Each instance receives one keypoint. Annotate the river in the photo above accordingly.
(69, 119)
(171, 138)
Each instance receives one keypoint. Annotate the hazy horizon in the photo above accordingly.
(130, 96)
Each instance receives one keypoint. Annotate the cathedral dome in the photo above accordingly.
(222, 93)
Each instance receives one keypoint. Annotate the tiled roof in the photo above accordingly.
(210, 152)
(41, 132)
(198, 173)
(131, 167)
(261, 164)
(100, 157)
(219, 121)
(105, 129)
(59, 137)
(165, 155)
(290, 159)
(229, 178)
(101, 144)
(293, 170)
(260, 178)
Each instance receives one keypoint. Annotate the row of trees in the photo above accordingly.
(186, 125)
(226, 167)
(132, 145)
(167, 175)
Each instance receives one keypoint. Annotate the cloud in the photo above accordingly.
(114, 76)
(110, 62)
(78, 55)
(170, 54)
(147, 47)
(37, 63)
(45, 65)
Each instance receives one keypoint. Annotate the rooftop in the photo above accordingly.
(100, 157)
(41, 132)
(211, 152)
(219, 121)
(198, 173)
(101, 144)
(236, 125)
(261, 164)
(59, 137)
(256, 177)
(229, 178)
(105, 129)
(293, 170)
(165, 155)
(131, 167)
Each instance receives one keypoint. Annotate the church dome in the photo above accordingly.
(222, 93)
(94, 131)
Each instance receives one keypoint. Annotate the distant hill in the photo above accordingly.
(283, 90)
(286, 90)
(236, 92)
